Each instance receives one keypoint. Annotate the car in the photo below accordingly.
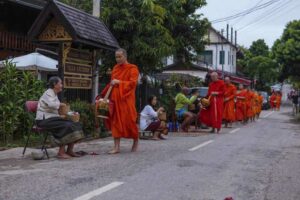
(202, 91)
(266, 103)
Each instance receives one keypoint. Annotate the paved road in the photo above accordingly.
(259, 161)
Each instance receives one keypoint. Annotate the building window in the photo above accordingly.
(206, 57)
(222, 57)
(232, 60)
(229, 58)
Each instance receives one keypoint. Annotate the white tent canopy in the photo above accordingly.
(34, 61)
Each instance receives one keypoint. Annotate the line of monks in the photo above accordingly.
(229, 104)
(275, 100)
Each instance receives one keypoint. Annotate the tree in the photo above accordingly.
(286, 50)
(188, 29)
(264, 70)
(258, 64)
(86, 5)
(139, 28)
(259, 48)
(151, 30)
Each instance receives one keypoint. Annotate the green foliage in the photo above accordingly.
(86, 5)
(258, 64)
(87, 116)
(188, 28)
(151, 30)
(286, 50)
(139, 28)
(16, 87)
(264, 69)
(259, 48)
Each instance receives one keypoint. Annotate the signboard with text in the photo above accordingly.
(78, 69)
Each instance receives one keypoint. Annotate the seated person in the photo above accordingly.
(65, 132)
(149, 119)
(181, 108)
(196, 107)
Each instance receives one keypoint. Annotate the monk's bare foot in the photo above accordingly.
(73, 154)
(63, 156)
(218, 130)
(114, 151)
(155, 138)
(134, 146)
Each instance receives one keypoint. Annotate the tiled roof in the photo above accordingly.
(87, 26)
(83, 27)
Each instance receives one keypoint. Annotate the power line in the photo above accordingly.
(238, 20)
(246, 12)
(267, 14)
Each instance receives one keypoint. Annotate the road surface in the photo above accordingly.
(258, 161)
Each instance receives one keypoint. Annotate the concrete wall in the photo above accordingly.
(199, 74)
(230, 54)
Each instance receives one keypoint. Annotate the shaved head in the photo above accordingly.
(241, 86)
(227, 80)
(214, 76)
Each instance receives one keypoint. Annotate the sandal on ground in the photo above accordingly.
(62, 157)
(113, 152)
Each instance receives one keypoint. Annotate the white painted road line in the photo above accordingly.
(201, 145)
(234, 130)
(267, 115)
(99, 191)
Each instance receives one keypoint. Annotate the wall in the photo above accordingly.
(200, 74)
(228, 49)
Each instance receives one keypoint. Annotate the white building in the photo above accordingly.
(220, 55)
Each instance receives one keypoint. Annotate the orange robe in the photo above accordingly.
(123, 113)
(229, 111)
(241, 105)
(212, 116)
(255, 103)
(278, 101)
(273, 100)
(249, 104)
(260, 103)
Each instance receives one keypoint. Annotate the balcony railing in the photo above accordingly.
(14, 41)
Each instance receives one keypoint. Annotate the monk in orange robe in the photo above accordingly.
(273, 101)
(249, 105)
(259, 104)
(123, 117)
(212, 115)
(241, 111)
(229, 95)
(278, 100)
(255, 104)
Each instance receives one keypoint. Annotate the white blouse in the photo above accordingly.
(147, 116)
(48, 105)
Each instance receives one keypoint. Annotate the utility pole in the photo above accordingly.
(95, 90)
(96, 8)
(222, 54)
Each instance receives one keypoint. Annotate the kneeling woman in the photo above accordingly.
(149, 119)
(65, 132)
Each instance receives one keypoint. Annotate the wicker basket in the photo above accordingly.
(64, 109)
(74, 117)
(192, 107)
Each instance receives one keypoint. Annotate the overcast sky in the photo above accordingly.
(267, 23)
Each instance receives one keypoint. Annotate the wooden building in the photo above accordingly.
(78, 38)
(16, 18)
